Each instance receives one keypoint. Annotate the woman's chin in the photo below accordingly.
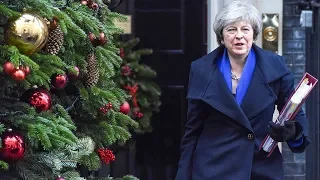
(240, 52)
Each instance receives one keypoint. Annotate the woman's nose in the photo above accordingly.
(239, 35)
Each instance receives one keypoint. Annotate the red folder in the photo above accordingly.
(291, 108)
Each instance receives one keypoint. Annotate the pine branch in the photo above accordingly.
(65, 117)
(111, 116)
(50, 159)
(42, 134)
(8, 12)
(69, 163)
(112, 48)
(85, 20)
(99, 178)
(72, 175)
(110, 56)
(13, 54)
(91, 161)
(66, 22)
(108, 134)
(136, 56)
(67, 133)
(116, 15)
(149, 92)
(120, 94)
(145, 72)
(42, 7)
(144, 122)
(150, 87)
(69, 156)
(83, 147)
(4, 165)
(59, 140)
(124, 120)
(50, 132)
(121, 134)
(129, 177)
(106, 95)
(51, 60)
(144, 101)
(127, 46)
(31, 170)
(107, 65)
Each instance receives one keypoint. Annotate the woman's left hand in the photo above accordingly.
(282, 133)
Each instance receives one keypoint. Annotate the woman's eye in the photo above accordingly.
(230, 29)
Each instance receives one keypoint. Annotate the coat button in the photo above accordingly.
(250, 136)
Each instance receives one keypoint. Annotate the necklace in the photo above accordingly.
(234, 77)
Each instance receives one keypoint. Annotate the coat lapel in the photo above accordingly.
(258, 96)
(220, 97)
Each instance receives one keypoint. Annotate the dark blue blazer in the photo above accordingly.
(218, 141)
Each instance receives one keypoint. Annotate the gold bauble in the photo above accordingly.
(29, 33)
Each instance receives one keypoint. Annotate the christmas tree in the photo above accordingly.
(137, 79)
(59, 105)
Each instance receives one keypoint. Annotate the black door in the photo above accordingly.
(313, 101)
(176, 31)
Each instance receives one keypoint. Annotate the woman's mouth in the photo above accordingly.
(239, 44)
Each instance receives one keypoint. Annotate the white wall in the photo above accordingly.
(213, 7)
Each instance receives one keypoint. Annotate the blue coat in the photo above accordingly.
(222, 139)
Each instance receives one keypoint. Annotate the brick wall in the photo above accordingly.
(294, 52)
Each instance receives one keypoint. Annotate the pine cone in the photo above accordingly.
(92, 74)
(55, 41)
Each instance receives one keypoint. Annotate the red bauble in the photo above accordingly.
(40, 99)
(8, 68)
(103, 39)
(60, 178)
(25, 69)
(74, 74)
(92, 37)
(18, 75)
(84, 2)
(13, 146)
(93, 6)
(94, 41)
(125, 108)
(59, 81)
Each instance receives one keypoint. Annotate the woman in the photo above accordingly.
(232, 95)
